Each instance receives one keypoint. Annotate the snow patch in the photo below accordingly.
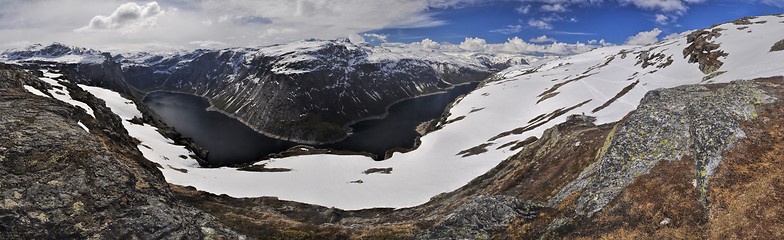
(153, 146)
(35, 91)
(61, 93)
(83, 126)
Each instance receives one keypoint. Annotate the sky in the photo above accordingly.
(121, 25)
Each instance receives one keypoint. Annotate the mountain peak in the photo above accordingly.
(55, 52)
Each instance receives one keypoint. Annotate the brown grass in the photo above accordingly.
(747, 190)
(745, 193)
(666, 192)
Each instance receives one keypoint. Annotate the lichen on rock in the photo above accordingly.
(669, 124)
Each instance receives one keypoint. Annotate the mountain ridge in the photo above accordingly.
(680, 138)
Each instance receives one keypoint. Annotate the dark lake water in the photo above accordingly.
(230, 141)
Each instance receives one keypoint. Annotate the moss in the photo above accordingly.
(8, 204)
(607, 143)
(77, 207)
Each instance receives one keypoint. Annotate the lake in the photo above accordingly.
(230, 142)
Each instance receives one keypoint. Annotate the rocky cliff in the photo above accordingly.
(67, 174)
(83, 65)
(280, 90)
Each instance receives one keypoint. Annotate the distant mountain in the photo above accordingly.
(681, 138)
(517, 105)
(86, 66)
(279, 90)
(57, 52)
(282, 90)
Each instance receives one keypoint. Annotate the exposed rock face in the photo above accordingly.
(704, 52)
(779, 46)
(694, 122)
(61, 181)
(482, 217)
(668, 125)
(281, 90)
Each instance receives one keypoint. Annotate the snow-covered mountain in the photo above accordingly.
(56, 52)
(646, 141)
(280, 90)
(84, 65)
(484, 127)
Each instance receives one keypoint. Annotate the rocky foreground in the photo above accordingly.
(697, 161)
(60, 181)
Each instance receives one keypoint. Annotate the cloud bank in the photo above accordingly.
(122, 24)
(513, 45)
(129, 16)
(644, 38)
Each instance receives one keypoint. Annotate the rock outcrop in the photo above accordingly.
(62, 181)
(703, 51)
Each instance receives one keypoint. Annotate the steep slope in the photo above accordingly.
(83, 65)
(280, 90)
(69, 170)
(483, 127)
(710, 172)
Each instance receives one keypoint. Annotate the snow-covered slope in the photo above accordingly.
(518, 103)
(280, 90)
(56, 53)
(82, 65)
(515, 104)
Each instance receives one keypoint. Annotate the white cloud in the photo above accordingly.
(356, 38)
(644, 38)
(662, 19)
(600, 42)
(427, 43)
(679, 6)
(554, 8)
(541, 39)
(510, 29)
(128, 17)
(539, 24)
(775, 3)
(234, 22)
(454, 3)
(473, 44)
(371, 37)
(523, 9)
(209, 44)
(511, 46)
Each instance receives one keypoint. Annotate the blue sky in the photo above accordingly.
(609, 20)
(126, 25)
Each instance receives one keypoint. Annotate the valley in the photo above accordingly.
(230, 142)
(678, 136)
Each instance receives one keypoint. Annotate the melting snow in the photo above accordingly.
(153, 146)
(61, 93)
(83, 126)
(35, 91)
(511, 101)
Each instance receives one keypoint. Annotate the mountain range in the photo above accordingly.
(677, 139)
